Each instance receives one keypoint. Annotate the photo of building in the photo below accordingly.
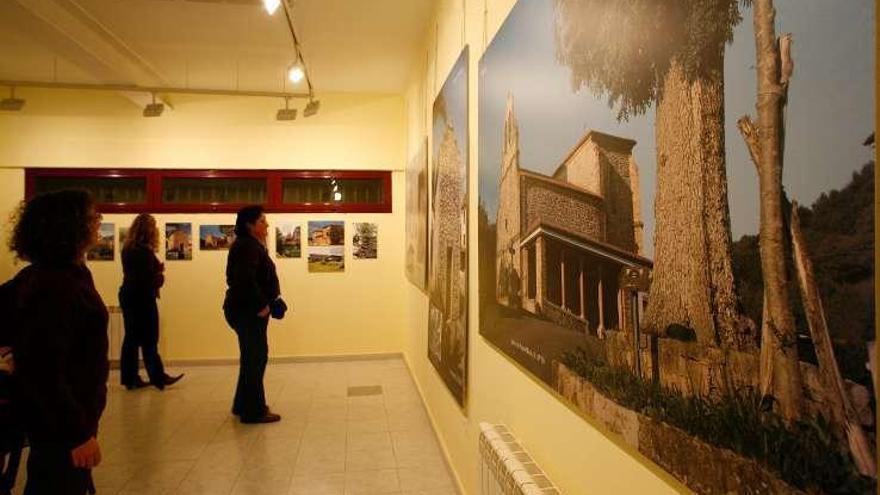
(178, 241)
(287, 241)
(105, 248)
(564, 240)
(327, 247)
(216, 237)
(417, 217)
(448, 258)
(619, 256)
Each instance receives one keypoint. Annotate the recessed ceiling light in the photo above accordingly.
(271, 6)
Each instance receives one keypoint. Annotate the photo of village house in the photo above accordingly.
(327, 247)
(623, 185)
(216, 237)
(448, 260)
(178, 241)
(417, 218)
(105, 248)
(287, 240)
(365, 243)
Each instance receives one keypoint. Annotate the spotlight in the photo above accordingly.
(154, 109)
(271, 6)
(296, 73)
(311, 108)
(11, 104)
(286, 113)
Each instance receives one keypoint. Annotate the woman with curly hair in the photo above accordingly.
(143, 276)
(60, 345)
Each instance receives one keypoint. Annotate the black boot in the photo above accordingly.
(166, 381)
(138, 383)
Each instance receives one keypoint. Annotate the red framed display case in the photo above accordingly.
(221, 191)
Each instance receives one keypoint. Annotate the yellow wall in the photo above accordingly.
(577, 457)
(356, 312)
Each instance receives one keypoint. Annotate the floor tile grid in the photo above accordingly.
(400, 400)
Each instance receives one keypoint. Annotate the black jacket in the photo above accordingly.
(60, 349)
(142, 273)
(251, 278)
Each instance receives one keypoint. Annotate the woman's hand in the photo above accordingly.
(264, 313)
(87, 455)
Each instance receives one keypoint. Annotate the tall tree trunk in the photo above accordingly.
(693, 281)
(835, 392)
(786, 377)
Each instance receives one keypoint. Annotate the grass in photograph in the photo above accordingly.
(805, 455)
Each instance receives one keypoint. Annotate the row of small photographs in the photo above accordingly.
(326, 241)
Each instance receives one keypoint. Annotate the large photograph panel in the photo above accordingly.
(447, 272)
(619, 210)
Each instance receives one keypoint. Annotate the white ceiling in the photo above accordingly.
(348, 45)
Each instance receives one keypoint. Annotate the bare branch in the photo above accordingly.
(750, 136)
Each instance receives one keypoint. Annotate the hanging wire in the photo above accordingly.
(297, 47)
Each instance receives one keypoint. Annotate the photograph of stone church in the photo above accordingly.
(448, 260)
(564, 240)
(676, 231)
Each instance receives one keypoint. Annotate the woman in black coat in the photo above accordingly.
(143, 276)
(252, 296)
(60, 344)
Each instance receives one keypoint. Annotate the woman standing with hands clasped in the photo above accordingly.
(143, 276)
(252, 297)
(61, 364)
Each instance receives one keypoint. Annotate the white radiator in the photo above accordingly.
(114, 332)
(506, 468)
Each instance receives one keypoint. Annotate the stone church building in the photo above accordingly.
(564, 241)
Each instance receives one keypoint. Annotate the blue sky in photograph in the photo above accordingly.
(183, 227)
(830, 109)
(214, 230)
(314, 226)
(107, 230)
(288, 228)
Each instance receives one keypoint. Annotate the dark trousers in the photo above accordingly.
(50, 471)
(250, 396)
(141, 318)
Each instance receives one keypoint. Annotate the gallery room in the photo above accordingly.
(437, 247)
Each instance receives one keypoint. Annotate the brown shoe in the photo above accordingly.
(269, 417)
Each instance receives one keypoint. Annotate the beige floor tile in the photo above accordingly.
(371, 482)
(364, 460)
(428, 476)
(185, 441)
(369, 440)
(319, 485)
(367, 426)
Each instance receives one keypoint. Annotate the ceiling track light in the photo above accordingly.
(286, 113)
(312, 108)
(298, 70)
(154, 109)
(11, 104)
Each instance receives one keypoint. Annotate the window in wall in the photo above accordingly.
(169, 191)
(341, 191)
(109, 190)
(213, 191)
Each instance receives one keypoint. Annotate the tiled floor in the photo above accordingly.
(329, 442)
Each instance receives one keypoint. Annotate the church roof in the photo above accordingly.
(585, 243)
(558, 183)
(607, 141)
